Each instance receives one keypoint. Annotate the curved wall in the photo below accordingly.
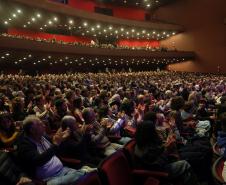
(205, 33)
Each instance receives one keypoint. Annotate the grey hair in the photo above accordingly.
(67, 121)
(28, 122)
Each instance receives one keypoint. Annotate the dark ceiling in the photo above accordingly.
(146, 4)
(37, 61)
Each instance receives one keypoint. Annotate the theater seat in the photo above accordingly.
(115, 170)
(89, 179)
(216, 150)
(217, 169)
(71, 162)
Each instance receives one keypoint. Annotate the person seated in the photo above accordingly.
(203, 113)
(44, 111)
(98, 133)
(187, 112)
(61, 110)
(38, 154)
(151, 154)
(75, 146)
(114, 126)
(14, 174)
(70, 97)
(132, 116)
(77, 112)
(4, 103)
(9, 133)
(19, 111)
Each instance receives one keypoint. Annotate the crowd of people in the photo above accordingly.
(170, 115)
(92, 44)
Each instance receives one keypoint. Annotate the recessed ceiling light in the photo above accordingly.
(6, 22)
(19, 11)
(38, 15)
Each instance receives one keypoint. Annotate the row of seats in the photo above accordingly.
(118, 169)
(115, 170)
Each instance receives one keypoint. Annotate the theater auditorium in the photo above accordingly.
(112, 92)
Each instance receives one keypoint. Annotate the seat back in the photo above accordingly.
(89, 179)
(216, 149)
(130, 145)
(217, 170)
(129, 151)
(115, 170)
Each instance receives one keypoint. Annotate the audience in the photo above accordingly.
(90, 116)
(91, 44)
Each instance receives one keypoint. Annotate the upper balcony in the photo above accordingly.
(50, 17)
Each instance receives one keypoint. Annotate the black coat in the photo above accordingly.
(10, 173)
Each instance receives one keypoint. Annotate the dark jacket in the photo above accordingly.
(30, 158)
(75, 147)
(151, 157)
(10, 173)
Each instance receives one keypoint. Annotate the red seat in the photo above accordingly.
(71, 162)
(217, 169)
(115, 170)
(89, 179)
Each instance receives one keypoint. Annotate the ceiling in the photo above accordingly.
(30, 60)
(146, 4)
